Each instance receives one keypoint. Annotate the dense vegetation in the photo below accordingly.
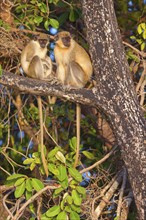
(68, 192)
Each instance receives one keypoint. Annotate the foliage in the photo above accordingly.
(20, 156)
(35, 13)
(70, 193)
(140, 37)
(129, 13)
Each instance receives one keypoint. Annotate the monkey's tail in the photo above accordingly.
(42, 135)
(78, 119)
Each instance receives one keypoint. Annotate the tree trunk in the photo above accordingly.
(116, 92)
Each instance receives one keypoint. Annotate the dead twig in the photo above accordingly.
(106, 198)
(100, 161)
(119, 208)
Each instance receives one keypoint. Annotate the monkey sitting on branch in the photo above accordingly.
(74, 68)
(36, 64)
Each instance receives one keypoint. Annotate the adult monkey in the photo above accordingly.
(36, 64)
(74, 68)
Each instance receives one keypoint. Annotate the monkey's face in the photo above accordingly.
(43, 43)
(63, 39)
(42, 40)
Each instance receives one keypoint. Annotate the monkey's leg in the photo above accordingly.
(78, 119)
(75, 76)
(42, 135)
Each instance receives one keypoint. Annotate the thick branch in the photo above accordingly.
(50, 87)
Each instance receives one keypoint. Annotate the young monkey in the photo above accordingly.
(74, 68)
(36, 64)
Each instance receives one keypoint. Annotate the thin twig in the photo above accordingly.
(1, 168)
(100, 161)
(143, 54)
(121, 194)
(19, 213)
(103, 192)
(107, 196)
(142, 77)
(4, 203)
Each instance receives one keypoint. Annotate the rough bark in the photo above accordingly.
(50, 87)
(116, 91)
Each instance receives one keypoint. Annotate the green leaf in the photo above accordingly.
(19, 190)
(73, 143)
(76, 198)
(60, 157)
(142, 46)
(143, 26)
(29, 185)
(75, 174)
(28, 161)
(54, 23)
(62, 173)
(53, 152)
(46, 24)
(74, 216)
(68, 208)
(75, 208)
(72, 16)
(38, 19)
(28, 195)
(62, 216)
(81, 190)
(32, 208)
(19, 181)
(89, 155)
(139, 41)
(139, 29)
(53, 169)
(44, 217)
(133, 37)
(43, 7)
(37, 184)
(64, 183)
(33, 1)
(15, 176)
(144, 34)
(53, 211)
(69, 200)
(58, 191)
(32, 166)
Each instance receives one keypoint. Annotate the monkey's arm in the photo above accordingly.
(35, 69)
(61, 73)
(47, 66)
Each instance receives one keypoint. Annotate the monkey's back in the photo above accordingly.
(83, 59)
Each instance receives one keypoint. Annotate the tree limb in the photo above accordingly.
(49, 87)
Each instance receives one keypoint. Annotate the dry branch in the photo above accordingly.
(106, 198)
(49, 87)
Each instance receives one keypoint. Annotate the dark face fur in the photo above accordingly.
(43, 42)
(63, 39)
(66, 41)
